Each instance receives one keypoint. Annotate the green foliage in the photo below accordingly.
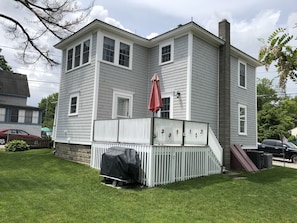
(291, 138)
(276, 119)
(277, 50)
(16, 145)
(265, 93)
(3, 63)
(276, 116)
(48, 105)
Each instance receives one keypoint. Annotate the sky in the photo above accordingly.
(250, 21)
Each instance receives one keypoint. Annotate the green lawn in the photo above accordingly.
(35, 186)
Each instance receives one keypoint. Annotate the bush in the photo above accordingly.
(16, 145)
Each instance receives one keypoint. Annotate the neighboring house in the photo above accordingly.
(293, 132)
(14, 112)
(106, 74)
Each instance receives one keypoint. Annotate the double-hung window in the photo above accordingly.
(86, 51)
(117, 52)
(166, 53)
(2, 114)
(242, 74)
(165, 110)
(108, 49)
(124, 54)
(28, 116)
(242, 119)
(78, 55)
(73, 104)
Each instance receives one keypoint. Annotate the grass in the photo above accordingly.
(35, 186)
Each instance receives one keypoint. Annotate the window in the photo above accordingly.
(122, 104)
(165, 110)
(69, 59)
(242, 119)
(124, 54)
(116, 52)
(86, 51)
(242, 74)
(78, 55)
(35, 117)
(28, 116)
(108, 49)
(166, 53)
(21, 118)
(2, 114)
(73, 104)
(14, 116)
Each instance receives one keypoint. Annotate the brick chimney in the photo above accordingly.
(224, 92)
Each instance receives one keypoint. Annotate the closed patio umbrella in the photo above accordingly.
(155, 102)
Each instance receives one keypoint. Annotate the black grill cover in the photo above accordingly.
(121, 164)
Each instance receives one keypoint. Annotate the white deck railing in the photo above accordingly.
(169, 150)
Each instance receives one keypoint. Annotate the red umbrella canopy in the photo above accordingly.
(155, 102)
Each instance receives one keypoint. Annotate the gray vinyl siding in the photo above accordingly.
(244, 97)
(205, 83)
(76, 129)
(173, 76)
(135, 80)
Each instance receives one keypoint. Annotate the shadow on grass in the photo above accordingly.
(275, 174)
(267, 176)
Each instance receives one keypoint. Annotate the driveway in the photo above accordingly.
(283, 162)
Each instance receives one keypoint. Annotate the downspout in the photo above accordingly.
(189, 77)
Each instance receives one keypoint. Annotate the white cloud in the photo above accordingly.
(249, 21)
(152, 35)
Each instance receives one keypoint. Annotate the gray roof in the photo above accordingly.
(14, 84)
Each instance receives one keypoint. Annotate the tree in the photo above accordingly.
(277, 50)
(275, 115)
(274, 120)
(3, 63)
(265, 93)
(51, 17)
(48, 105)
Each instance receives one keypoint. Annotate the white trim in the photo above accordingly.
(117, 93)
(245, 74)
(245, 119)
(95, 87)
(116, 50)
(164, 44)
(189, 76)
(73, 95)
(81, 43)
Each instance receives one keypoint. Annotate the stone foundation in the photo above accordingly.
(73, 152)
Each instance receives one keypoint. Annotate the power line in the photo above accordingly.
(30, 51)
(47, 82)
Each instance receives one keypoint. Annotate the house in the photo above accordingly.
(14, 112)
(106, 74)
(293, 131)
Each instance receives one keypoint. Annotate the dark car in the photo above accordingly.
(278, 148)
(16, 134)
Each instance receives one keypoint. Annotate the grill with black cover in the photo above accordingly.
(120, 164)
